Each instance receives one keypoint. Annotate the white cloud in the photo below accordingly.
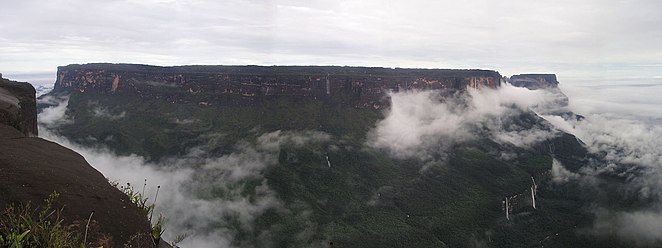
(184, 121)
(621, 127)
(415, 120)
(189, 184)
(636, 98)
(628, 143)
(589, 35)
(626, 135)
(420, 121)
(619, 139)
(642, 228)
(56, 114)
(107, 114)
(525, 138)
(560, 174)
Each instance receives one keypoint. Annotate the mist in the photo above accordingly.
(189, 184)
(422, 125)
(621, 127)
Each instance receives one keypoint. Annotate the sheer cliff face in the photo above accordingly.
(237, 85)
(18, 107)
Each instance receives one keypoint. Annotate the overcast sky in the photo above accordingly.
(575, 39)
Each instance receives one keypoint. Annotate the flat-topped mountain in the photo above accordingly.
(236, 85)
(323, 156)
(534, 81)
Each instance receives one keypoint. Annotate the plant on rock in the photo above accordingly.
(26, 226)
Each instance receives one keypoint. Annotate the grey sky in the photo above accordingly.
(608, 38)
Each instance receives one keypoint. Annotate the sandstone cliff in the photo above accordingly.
(18, 107)
(31, 168)
(362, 87)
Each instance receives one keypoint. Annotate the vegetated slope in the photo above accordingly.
(363, 196)
(32, 168)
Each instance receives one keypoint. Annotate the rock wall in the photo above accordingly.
(534, 81)
(18, 107)
(362, 87)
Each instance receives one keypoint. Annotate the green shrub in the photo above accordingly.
(140, 200)
(25, 226)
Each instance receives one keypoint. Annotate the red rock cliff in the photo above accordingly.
(230, 85)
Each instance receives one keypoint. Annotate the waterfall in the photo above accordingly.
(507, 216)
(534, 190)
(328, 85)
(520, 200)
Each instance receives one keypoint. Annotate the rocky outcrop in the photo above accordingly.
(362, 87)
(18, 107)
(534, 81)
(31, 168)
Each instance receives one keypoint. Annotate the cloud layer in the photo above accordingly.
(622, 128)
(629, 148)
(626, 141)
(190, 185)
(419, 121)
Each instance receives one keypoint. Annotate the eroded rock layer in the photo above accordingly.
(362, 87)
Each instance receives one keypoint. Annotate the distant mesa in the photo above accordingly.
(361, 87)
(534, 81)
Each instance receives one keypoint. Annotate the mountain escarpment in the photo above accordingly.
(343, 191)
(361, 87)
(534, 81)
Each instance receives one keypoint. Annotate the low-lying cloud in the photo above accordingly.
(642, 228)
(418, 125)
(190, 184)
(630, 149)
(53, 116)
(628, 143)
(422, 120)
(560, 174)
(107, 114)
(184, 121)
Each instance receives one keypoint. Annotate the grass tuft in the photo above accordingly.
(140, 200)
(26, 226)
